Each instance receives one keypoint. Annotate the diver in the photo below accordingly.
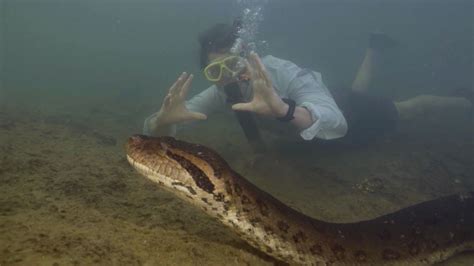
(278, 90)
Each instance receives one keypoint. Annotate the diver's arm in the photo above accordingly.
(173, 110)
(153, 126)
(302, 117)
(266, 100)
(326, 119)
(184, 113)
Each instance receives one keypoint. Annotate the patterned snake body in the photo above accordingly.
(422, 234)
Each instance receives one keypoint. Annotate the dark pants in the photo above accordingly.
(368, 117)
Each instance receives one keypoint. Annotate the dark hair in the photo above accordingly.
(216, 39)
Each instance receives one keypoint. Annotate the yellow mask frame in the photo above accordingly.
(219, 65)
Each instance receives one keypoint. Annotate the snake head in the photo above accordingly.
(192, 170)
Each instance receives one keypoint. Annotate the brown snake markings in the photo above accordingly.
(421, 234)
(201, 180)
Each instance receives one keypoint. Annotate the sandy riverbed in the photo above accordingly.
(68, 196)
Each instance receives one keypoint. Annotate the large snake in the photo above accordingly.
(422, 234)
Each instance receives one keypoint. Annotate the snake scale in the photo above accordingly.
(421, 234)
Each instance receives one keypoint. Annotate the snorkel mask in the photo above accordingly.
(232, 66)
(229, 67)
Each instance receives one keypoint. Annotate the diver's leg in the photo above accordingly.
(378, 42)
(425, 104)
(364, 75)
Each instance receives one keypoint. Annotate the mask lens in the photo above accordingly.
(234, 64)
(231, 66)
(213, 71)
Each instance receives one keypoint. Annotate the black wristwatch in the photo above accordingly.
(291, 110)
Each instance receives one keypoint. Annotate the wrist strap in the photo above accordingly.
(291, 110)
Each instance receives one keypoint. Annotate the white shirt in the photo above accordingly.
(303, 86)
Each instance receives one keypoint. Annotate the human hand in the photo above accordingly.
(265, 99)
(173, 110)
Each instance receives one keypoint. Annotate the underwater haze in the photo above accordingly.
(78, 77)
(119, 47)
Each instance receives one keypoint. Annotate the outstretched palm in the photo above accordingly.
(173, 110)
(265, 100)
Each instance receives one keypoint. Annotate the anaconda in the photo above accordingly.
(421, 234)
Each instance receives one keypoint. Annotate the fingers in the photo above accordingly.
(167, 100)
(251, 70)
(255, 61)
(259, 71)
(178, 84)
(198, 116)
(242, 107)
(185, 88)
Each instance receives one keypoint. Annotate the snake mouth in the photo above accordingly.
(163, 160)
(149, 155)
